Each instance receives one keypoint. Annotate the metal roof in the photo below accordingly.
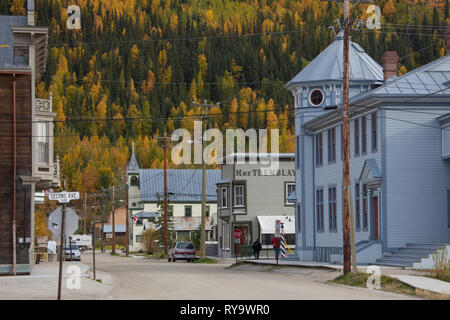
(119, 228)
(328, 65)
(133, 166)
(183, 185)
(431, 78)
(146, 214)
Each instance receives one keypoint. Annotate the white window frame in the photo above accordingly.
(224, 190)
(43, 142)
(287, 193)
(242, 196)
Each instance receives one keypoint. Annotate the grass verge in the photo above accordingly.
(206, 260)
(157, 256)
(387, 284)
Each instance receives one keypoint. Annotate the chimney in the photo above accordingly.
(30, 12)
(447, 39)
(390, 64)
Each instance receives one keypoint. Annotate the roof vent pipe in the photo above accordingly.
(390, 64)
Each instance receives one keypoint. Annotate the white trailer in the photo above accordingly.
(83, 241)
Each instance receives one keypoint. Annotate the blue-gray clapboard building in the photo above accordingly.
(399, 157)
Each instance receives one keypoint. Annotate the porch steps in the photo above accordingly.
(406, 256)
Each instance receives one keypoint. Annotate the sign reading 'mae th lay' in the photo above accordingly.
(64, 196)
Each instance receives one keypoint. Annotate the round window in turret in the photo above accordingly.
(316, 97)
(134, 181)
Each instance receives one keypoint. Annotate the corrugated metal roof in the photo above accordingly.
(328, 66)
(119, 228)
(183, 185)
(425, 80)
(146, 214)
(6, 38)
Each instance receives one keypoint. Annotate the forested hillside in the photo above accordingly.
(134, 68)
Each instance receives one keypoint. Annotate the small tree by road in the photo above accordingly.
(148, 240)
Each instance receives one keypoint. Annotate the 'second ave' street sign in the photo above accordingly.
(64, 197)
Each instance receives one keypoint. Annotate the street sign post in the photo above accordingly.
(63, 197)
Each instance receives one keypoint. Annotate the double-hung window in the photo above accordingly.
(356, 127)
(332, 145)
(363, 135)
(42, 139)
(188, 211)
(319, 149)
(238, 195)
(332, 208)
(357, 207)
(224, 197)
(319, 209)
(289, 188)
(374, 132)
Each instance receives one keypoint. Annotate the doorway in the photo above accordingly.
(375, 217)
(244, 240)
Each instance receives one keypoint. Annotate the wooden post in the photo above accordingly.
(166, 250)
(113, 225)
(352, 231)
(127, 246)
(14, 236)
(61, 249)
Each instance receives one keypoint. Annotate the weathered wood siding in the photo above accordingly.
(23, 113)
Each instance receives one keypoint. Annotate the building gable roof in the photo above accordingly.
(328, 65)
(183, 185)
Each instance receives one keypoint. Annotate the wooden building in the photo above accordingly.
(26, 137)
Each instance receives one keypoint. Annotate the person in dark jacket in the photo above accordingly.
(256, 248)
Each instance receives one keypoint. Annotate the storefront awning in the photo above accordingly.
(267, 224)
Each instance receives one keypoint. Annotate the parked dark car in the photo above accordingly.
(183, 250)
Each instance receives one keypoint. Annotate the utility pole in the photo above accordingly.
(127, 186)
(203, 220)
(345, 141)
(93, 235)
(113, 225)
(61, 246)
(346, 227)
(103, 220)
(166, 227)
(165, 196)
(84, 211)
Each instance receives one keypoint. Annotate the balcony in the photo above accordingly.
(43, 105)
(44, 165)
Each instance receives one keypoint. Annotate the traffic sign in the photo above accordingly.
(70, 224)
(63, 197)
(237, 233)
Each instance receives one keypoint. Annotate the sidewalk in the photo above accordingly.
(43, 283)
(411, 277)
(425, 283)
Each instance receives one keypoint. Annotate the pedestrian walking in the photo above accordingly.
(256, 248)
(276, 246)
